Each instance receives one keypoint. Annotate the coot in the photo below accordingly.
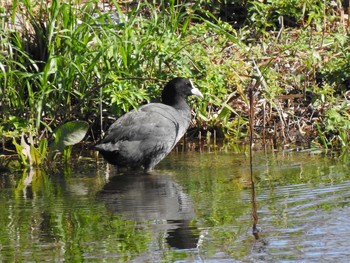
(143, 137)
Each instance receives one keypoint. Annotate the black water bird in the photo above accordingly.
(143, 137)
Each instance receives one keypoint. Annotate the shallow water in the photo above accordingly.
(195, 207)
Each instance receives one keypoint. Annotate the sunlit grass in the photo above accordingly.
(65, 60)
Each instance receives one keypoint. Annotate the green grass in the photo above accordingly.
(59, 62)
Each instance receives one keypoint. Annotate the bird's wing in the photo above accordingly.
(159, 121)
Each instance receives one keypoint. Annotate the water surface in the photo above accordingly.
(195, 207)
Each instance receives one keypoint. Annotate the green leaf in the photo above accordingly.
(43, 147)
(35, 156)
(69, 133)
(20, 151)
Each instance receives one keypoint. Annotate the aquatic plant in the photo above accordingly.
(65, 137)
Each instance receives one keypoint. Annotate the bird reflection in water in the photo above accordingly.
(144, 197)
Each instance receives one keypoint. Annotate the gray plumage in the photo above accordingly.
(145, 136)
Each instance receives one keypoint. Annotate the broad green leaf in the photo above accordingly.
(35, 156)
(21, 152)
(43, 147)
(70, 133)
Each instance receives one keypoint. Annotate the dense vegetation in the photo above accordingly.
(65, 60)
